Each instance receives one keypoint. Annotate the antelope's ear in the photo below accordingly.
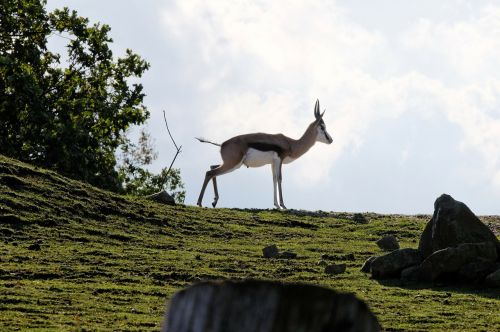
(319, 117)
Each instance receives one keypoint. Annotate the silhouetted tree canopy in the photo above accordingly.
(66, 115)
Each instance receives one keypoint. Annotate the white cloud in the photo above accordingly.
(470, 47)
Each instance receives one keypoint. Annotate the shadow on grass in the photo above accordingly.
(445, 286)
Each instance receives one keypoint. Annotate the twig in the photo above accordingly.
(177, 147)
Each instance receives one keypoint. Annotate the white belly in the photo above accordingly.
(256, 158)
(288, 160)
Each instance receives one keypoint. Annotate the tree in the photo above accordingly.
(70, 118)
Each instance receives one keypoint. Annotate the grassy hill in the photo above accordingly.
(73, 257)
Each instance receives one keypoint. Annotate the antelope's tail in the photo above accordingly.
(205, 141)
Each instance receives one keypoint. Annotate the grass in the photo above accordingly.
(109, 262)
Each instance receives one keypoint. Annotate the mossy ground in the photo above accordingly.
(108, 262)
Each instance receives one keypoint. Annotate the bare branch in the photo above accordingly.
(166, 123)
(178, 148)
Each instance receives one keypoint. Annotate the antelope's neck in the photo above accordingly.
(303, 144)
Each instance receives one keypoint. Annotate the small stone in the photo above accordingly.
(35, 246)
(388, 243)
(162, 197)
(270, 251)
(367, 265)
(335, 268)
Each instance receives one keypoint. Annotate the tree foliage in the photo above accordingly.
(137, 180)
(70, 117)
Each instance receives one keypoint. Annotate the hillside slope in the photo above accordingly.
(73, 257)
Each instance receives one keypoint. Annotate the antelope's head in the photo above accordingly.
(322, 135)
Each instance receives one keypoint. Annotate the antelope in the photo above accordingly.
(259, 149)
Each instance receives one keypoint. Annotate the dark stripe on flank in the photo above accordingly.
(266, 147)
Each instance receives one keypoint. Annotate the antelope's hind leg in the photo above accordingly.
(211, 174)
(279, 185)
(216, 192)
(203, 187)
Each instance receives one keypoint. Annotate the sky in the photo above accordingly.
(411, 91)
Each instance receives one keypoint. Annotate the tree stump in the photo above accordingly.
(263, 306)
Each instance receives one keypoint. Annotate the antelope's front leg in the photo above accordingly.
(274, 167)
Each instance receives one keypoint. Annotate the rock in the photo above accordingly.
(411, 273)
(477, 270)
(453, 223)
(335, 268)
(367, 265)
(270, 251)
(265, 306)
(35, 247)
(393, 263)
(452, 259)
(162, 197)
(287, 255)
(493, 279)
(388, 243)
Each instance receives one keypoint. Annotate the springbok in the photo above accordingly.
(259, 149)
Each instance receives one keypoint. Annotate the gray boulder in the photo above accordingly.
(452, 259)
(393, 263)
(452, 224)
